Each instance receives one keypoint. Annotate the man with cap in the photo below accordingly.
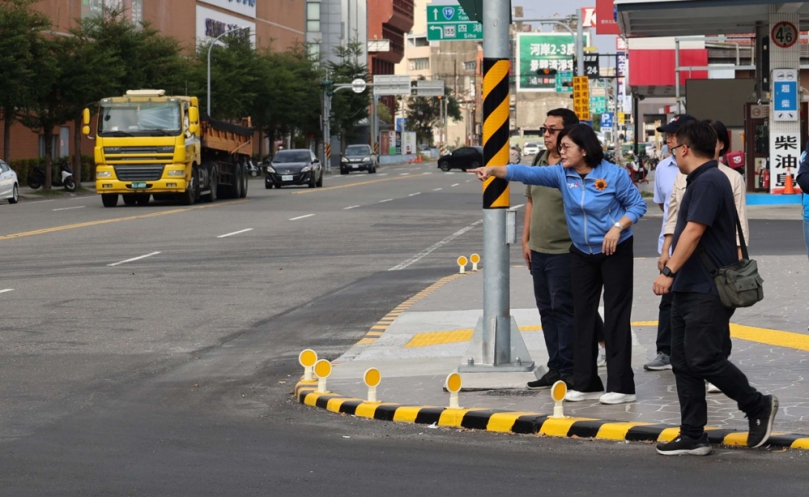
(665, 174)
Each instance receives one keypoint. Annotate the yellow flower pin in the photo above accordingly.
(601, 185)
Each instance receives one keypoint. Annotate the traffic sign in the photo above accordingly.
(606, 121)
(433, 88)
(598, 105)
(564, 82)
(784, 34)
(581, 97)
(385, 84)
(785, 101)
(358, 85)
(450, 22)
(591, 68)
(621, 118)
(537, 51)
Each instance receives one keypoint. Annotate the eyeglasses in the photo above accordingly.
(676, 147)
(567, 146)
(550, 131)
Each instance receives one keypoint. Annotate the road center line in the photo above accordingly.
(301, 217)
(132, 259)
(421, 255)
(456, 184)
(386, 200)
(234, 233)
(69, 208)
(414, 194)
(350, 207)
(437, 189)
(6, 290)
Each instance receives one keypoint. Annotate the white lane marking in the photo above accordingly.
(301, 217)
(234, 233)
(350, 207)
(449, 172)
(404, 174)
(437, 189)
(6, 290)
(468, 180)
(428, 173)
(132, 259)
(517, 207)
(456, 184)
(382, 174)
(69, 208)
(414, 194)
(42, 201)
(386, 200)
(421, 255)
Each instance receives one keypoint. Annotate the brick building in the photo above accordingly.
(277, 22)
(388, 20)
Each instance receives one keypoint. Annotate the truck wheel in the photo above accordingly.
(236, 187)
(213, 185)
(190, 194)
(129, 200)
(109, 199)
(245, 182)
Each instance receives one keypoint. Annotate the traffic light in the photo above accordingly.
(328, 87)
(581, 97)
(546, 72)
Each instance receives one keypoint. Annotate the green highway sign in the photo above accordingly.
(598, 105)
(537, 51)
(450, 22)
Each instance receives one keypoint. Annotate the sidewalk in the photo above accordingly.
(416, 349)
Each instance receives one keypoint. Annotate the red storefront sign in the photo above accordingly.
(605, 15)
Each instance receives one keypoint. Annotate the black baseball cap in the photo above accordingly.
(675, 123)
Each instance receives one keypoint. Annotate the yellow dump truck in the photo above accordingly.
(150, 144)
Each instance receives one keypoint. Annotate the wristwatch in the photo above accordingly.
(667, 272)
(618, 225)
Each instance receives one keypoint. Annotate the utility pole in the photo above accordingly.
(497, 345)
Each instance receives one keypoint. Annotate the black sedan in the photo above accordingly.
(358, 158)
(294, 167)
(464, 158)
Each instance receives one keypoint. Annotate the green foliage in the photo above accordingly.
(348, 108)
(424, 113)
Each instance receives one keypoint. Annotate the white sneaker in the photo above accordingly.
(713, 388)
(602, 357)
(576, 396)
(617, 398)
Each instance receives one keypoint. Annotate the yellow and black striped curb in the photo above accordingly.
(527, 423)
(379, 328)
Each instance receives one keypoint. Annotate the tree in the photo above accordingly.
(348, 108)
(424, 114)
(21, 27)
(234, 77)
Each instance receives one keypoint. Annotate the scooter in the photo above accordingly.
(36, 178)
(252, 168)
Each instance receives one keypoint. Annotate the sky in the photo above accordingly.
(548, 8)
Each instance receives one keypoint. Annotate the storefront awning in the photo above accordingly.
(699, 17)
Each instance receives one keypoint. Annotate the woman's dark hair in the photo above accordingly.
(585, 138)
(721, 135)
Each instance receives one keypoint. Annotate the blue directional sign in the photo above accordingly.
(606, 121)
(785, 95)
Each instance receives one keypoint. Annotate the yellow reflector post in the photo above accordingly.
(474, 259)
(307, 358)
(558, 392)
(453, 384)
(322, 370)
(372, 377)
(462, 262)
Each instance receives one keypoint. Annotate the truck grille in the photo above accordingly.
(139, 172)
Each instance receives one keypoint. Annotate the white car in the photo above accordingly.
(530, 148)
(9, 186)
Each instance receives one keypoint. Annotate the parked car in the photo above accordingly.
(358, 158)
(294, 167)
(9, 185)
(463, 158)
(530, 148)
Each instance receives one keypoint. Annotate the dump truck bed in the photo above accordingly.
(227, 137)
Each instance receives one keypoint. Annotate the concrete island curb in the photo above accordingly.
(524, 423)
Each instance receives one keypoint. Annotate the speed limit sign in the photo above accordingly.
(784, 34)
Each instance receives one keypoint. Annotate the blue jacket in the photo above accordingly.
(590, 211)
(803, 181)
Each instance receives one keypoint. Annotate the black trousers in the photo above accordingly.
(700, 344)
(664, 324)
(614, 273)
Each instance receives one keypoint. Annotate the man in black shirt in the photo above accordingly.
(700, 324)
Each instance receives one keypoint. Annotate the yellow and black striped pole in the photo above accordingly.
(497, 345)
(495, 129)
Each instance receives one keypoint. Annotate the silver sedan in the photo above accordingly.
(9, 186)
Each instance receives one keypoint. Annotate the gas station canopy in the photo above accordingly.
(700, 17)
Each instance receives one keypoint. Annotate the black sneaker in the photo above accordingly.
(568, 381)
(686, 446)
(761, 426)
(545, 382)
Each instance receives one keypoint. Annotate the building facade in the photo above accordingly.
(276, 23)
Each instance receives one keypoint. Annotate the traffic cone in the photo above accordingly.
(789, 188)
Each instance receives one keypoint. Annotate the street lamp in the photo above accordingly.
(208, 108)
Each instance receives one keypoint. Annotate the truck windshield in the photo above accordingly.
(140, 119)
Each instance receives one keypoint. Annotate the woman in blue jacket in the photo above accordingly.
(601, 205)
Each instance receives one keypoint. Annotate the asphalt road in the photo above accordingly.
(170, 374)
